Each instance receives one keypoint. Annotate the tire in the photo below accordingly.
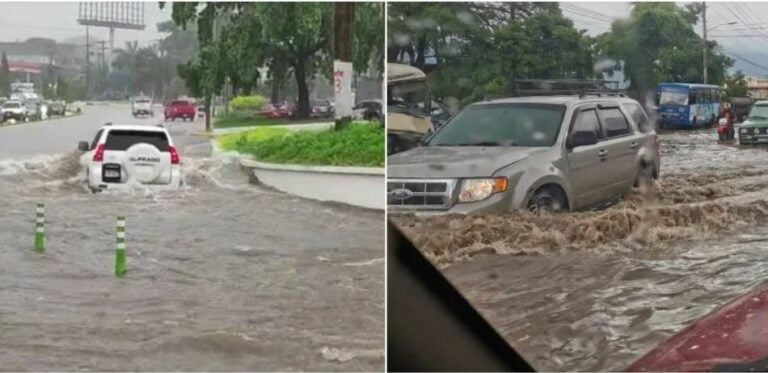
(547, 199)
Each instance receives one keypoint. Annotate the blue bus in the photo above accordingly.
(685, 105)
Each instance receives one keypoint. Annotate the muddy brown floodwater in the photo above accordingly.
(594, 291)
(222, 275)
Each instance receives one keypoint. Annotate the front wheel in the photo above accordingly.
(547, 200)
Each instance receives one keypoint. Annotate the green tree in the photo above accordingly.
(143, 66)
(736, 85)
(367, 37)
(477, 50)
(658, 43)
(5, 77)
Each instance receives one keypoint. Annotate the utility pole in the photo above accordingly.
(343, 16)
(704, 26)
(87, 63)
(102, 64)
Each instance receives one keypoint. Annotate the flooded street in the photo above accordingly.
(594, 291)
(222, 275)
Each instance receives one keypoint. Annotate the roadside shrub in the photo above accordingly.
(247, 102)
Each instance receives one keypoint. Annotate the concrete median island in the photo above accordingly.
(318, 162)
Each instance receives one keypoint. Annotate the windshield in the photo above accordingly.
(142, 101)
(122, 140)
(11, 105)
(179, 103)
(673, 98)
(759, 112)
(522, 124)
(409, 98)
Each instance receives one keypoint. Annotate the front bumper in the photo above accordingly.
(752, 136)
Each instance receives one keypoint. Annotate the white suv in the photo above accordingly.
(125, 155)
(142, 106)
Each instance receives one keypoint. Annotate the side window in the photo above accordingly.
(692, 98)
(615, 123)
(96, 139)
(587, 121)
(638, 116)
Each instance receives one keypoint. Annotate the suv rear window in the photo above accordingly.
(615, 123)
(12, 105)
(179, 103)
(519, 124)
(122, 139)
(142, 101)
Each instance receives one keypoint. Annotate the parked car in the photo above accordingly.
(14, 110)
(561, 153)
(142, 105)
(180, 109)
(368, 110)
(284, 110)
(321, 108)
(754, 130)
(57, 108)
(121, 155)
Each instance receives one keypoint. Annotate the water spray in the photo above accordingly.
(120, 270)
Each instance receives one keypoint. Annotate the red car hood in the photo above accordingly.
(728, 337)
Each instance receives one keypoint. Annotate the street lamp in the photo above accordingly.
(706, 52)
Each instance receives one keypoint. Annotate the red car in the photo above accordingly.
(285, 110)
(180, 109)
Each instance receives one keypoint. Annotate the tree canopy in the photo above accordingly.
(476, 50)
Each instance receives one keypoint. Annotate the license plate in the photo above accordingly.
(111, 173)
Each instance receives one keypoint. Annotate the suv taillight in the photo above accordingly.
(174, 155)
(98, 155)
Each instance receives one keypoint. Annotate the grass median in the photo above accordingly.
(360, 144)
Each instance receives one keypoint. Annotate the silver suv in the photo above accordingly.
(540, 153)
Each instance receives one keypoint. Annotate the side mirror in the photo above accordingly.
(83, 146)
(581, 138)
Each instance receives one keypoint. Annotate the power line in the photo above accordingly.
(745, 60)
(577, 12)
(595, 14)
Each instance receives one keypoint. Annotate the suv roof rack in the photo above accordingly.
(108, 124)
(553, 87)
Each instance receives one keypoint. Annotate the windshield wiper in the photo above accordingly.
(481, 143)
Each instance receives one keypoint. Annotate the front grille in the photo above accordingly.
(420, 194)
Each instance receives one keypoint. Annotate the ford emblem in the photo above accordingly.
(402, 193)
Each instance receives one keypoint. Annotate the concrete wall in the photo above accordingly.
(357, 186)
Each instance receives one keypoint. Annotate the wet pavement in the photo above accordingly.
(222, 275)
(595, 291)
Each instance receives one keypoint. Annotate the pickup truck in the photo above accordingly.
(180, 109)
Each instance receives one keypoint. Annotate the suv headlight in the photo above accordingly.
(473, 190)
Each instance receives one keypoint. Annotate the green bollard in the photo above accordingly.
(40, 228)
(120, 249)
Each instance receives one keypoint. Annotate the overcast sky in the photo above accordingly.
(58, 20)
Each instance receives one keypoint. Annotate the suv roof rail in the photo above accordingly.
(552, 87)
(108, 124)
(161, 125)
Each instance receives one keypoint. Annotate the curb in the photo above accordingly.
(356, 186)
(3, 125)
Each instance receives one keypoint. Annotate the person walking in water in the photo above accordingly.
(725, 128)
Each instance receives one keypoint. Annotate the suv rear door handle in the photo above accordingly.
(633, 145)
(602, 153)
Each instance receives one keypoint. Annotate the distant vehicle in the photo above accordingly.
(740, 107)
(34, 109)
(121, 155)
(14, 110)
(280, 111)
(180, 109)
(755, 129)
(321, 108)
(57, 108)
(408, 107)
(368, 110)
(560, 153)
(142, 106)
(685, 105)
